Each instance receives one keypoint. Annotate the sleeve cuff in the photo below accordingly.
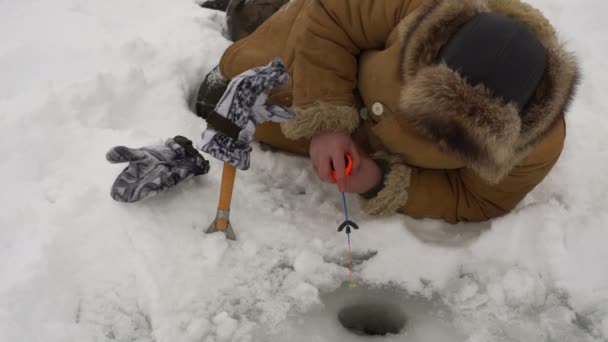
(320, 117)
(393, 192)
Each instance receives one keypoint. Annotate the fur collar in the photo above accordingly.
(489, 135)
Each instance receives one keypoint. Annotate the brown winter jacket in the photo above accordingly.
(367, 67)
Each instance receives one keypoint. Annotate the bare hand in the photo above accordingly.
(328, 148)
(367, 176)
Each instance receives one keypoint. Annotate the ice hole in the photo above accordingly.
(369, 313)
(372, 319)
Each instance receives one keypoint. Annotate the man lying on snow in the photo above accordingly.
(450, 109)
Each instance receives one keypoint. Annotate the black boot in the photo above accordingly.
(209, 93)
(244, 16)
(219, 5)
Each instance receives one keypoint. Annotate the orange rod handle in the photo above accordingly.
(348, 164)
(228, 177)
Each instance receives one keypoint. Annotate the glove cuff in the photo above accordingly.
(223, 125)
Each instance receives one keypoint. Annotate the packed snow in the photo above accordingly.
(79, 77)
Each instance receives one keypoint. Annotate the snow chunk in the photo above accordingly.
(523, 288)
(225, 326)
(307, 263)
(197, 329)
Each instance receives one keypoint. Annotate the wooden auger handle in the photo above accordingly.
(222, 221)
(228, 177)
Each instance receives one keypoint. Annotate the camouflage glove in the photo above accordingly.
(154, 168)
(231, 126)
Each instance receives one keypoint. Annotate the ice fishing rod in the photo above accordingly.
(347, 224)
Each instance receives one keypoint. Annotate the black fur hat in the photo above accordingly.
(500, 53)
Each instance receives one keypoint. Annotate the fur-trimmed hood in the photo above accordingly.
(489, 135)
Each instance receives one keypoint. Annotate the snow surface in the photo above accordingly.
(79, 77)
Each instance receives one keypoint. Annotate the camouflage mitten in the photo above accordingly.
(154, 168)
(231, 126)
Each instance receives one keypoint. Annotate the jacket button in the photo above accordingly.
(378, 109)
(363, 114)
